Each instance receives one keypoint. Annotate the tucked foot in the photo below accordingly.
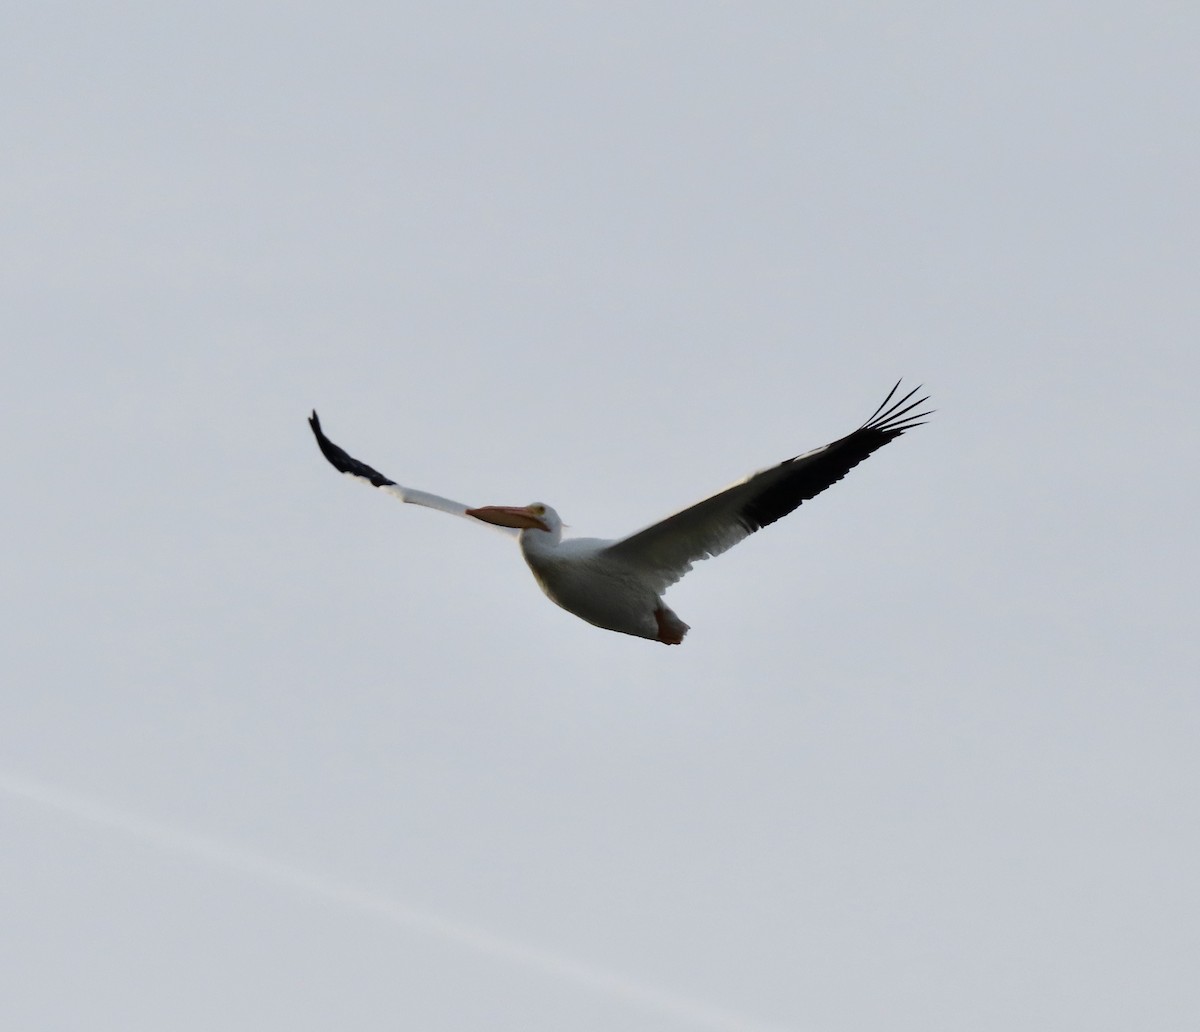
(670, 628)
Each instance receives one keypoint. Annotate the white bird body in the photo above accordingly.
(586, 578)
(618, 585)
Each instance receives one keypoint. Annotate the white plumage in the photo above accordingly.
(618, 585)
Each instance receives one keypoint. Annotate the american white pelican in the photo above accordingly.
(618, 585)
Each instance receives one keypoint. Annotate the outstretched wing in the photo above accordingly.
(716, 524)
(346, 463)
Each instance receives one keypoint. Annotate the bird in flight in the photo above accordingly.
(618, 585)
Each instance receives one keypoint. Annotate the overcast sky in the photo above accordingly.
(279, 753)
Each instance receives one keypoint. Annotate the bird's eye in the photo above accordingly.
(539, 510)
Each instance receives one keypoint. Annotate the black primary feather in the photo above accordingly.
(343, 462)
(812, 474)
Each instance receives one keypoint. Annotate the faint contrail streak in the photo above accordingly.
(247, 862)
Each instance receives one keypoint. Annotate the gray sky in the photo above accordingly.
(279, 753)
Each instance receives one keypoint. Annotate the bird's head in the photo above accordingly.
(535, 517)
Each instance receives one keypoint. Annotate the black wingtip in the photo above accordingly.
(314, 421)
(341, 460)
(895, 417)
(331, 451)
